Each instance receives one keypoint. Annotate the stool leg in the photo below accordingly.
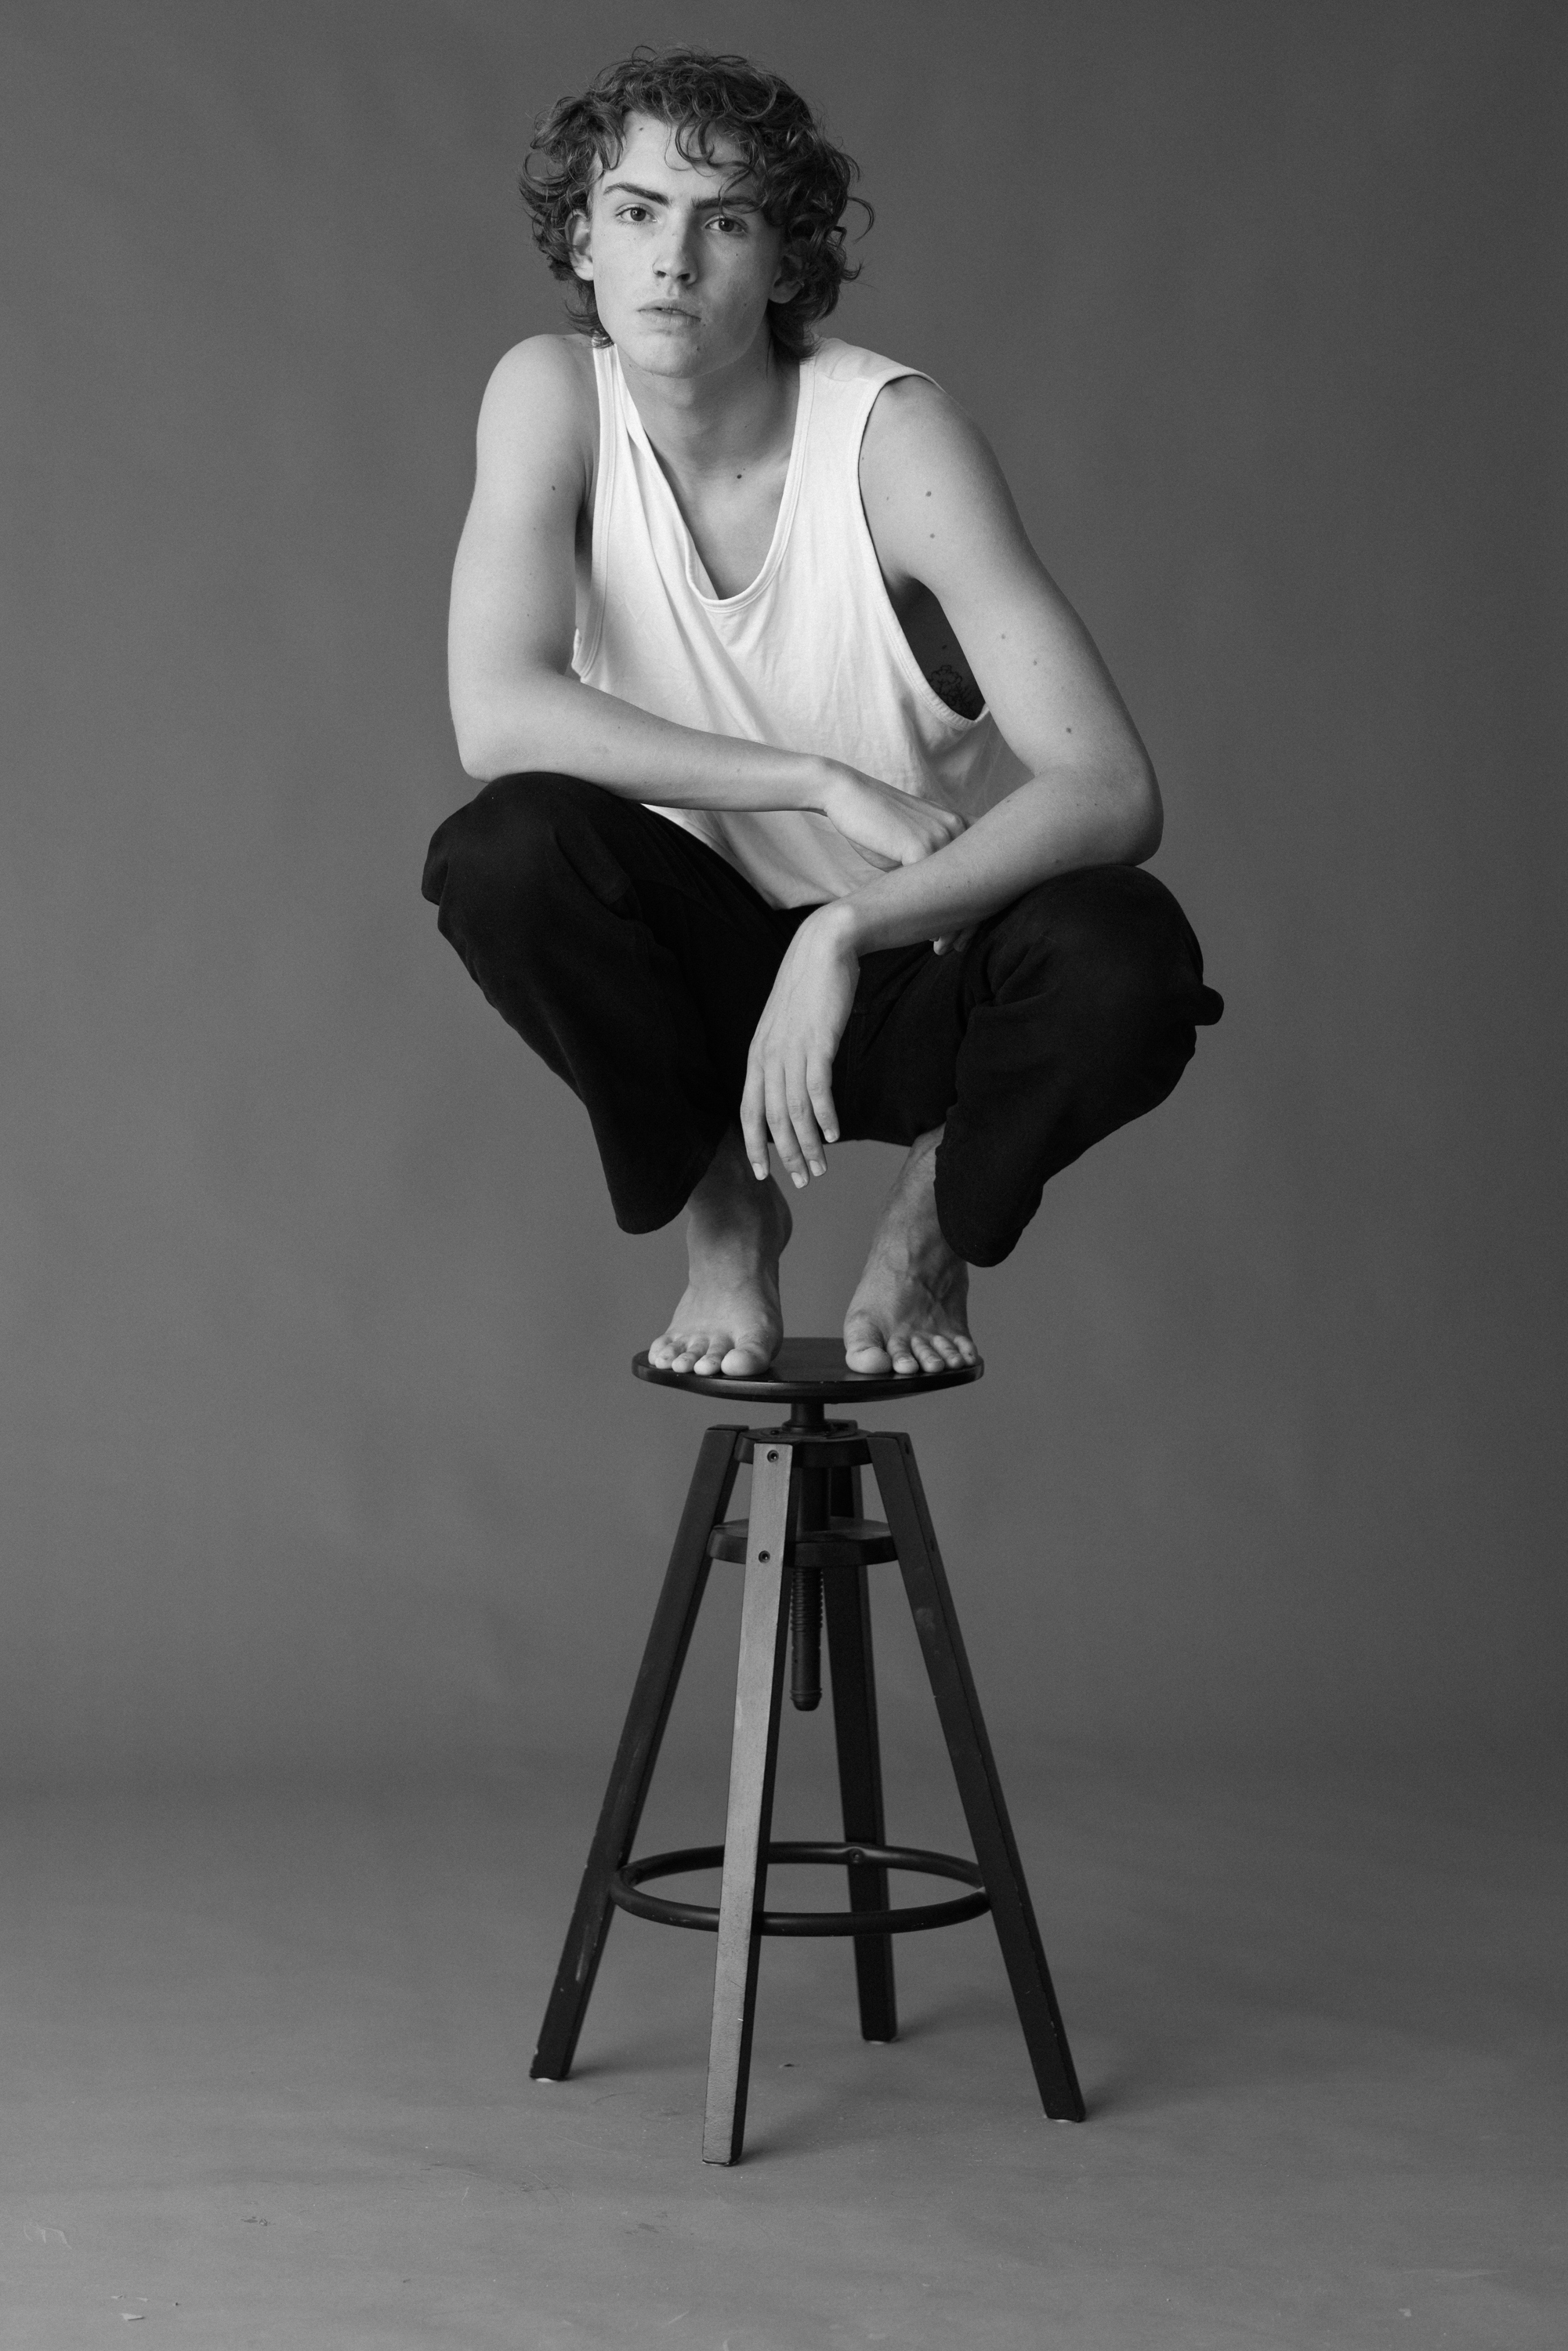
(764, 1627)
(669, 1638)
(847, 1601)
(925, 1581)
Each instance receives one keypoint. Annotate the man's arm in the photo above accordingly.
(941, 514)
(515, 704)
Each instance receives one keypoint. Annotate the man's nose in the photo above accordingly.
(675, 260)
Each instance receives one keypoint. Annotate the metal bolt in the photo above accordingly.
(773, 1457)
(765, 1554)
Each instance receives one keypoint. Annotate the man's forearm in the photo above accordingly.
(1052, 824)
(558, 726)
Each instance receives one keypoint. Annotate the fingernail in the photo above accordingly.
(830, 1134)
(818, 1166)
(760, 1169)
(798, 1180)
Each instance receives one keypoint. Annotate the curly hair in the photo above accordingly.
(801, 184)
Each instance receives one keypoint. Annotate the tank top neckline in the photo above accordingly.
(698, 578)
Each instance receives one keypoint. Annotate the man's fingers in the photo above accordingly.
(792, 1123)
(941, 829)
(820, 1086)
(807, 1133)
(794, 1131)
(753, 1122)
(784, 1141)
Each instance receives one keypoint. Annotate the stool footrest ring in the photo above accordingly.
(844, 1543)
(626, 1890)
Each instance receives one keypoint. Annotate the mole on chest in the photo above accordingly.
(732, 524)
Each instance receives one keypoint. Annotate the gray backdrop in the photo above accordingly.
(319, 1446)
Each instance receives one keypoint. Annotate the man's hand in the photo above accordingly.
(789, 1071)
(889, 828)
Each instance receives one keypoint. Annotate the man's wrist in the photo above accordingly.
(838, 924)
(813, 777)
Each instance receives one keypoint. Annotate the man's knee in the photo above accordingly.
(1113, 941)
(509, 852)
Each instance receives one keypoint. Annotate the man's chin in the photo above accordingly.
(656, 357)
(656, 351)
(704, 348)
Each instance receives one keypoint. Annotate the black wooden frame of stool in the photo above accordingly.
(809, 1472)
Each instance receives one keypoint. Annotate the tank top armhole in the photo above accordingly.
(893, 628)
(593, 630)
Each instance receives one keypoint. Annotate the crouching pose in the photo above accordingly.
(810, 811)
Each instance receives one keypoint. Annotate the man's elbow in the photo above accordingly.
(1141, 817)
(478, 758)
(487, 746)
(503, 724)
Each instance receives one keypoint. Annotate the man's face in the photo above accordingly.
(682, 264)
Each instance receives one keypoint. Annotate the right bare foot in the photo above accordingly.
(729, 1320)
(910, 1313)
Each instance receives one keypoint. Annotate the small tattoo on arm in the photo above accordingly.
(959, 693)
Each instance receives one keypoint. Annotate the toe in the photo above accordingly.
(863, 1347)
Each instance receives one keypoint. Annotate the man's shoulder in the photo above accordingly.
(914, 422)
(904, 400)
(850, 363)
(927, 474)
(554, 369)
(540, 405)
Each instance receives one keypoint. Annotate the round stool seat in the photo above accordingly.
(810, 1371)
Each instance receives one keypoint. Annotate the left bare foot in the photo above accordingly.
(909, 1312)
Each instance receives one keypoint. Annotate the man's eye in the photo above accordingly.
(634, 212)
(729, 220)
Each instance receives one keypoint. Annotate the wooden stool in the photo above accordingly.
(806, 1543)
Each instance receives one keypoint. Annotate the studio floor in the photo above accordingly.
(266, 2058)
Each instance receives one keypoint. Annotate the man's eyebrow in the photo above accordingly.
(736, 203)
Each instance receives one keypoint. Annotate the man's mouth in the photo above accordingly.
(666, 310)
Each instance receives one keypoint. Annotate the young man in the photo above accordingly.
(809, 811)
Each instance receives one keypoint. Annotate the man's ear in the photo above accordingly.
(576, 237)
(786, 284)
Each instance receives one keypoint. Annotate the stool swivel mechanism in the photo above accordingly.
(806, 1547)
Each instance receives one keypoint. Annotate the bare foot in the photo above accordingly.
(729, 1319)
(910, 1311)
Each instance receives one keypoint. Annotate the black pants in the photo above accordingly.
(636, 962)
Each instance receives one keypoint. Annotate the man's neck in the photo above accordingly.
(723, 421)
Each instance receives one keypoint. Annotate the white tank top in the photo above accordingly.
(810, 657)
